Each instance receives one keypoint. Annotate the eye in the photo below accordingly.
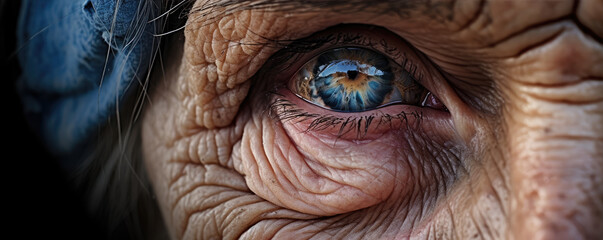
(353, 79)
(350, 82)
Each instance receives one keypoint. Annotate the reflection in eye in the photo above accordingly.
(354, 80)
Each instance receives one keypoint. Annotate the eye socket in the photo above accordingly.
(354, 79)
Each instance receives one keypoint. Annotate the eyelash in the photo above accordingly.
(284, 110)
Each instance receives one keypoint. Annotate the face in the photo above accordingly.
(448, 119)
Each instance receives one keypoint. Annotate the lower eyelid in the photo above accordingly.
(368, 125)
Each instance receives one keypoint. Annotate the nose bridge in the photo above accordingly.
(554, 121)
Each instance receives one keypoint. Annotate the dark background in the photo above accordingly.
(40, 201)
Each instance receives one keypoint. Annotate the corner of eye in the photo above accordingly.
(466, 122)
(464, 119)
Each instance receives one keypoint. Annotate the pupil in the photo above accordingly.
(352, 74)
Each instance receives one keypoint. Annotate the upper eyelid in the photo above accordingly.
(295, 54)
(261, 39)
(205, 13)
(264, 43)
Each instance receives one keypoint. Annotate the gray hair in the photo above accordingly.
(112, 177)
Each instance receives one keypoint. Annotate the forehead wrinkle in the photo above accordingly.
(212, 10)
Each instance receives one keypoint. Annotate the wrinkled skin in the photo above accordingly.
(518, 156)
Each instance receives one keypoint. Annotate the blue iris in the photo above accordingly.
(352, 79)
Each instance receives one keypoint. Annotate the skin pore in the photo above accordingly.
(517, 151)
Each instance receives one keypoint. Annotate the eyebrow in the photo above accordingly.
(212, 10)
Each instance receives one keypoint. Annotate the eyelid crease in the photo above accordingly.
(294, 53)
